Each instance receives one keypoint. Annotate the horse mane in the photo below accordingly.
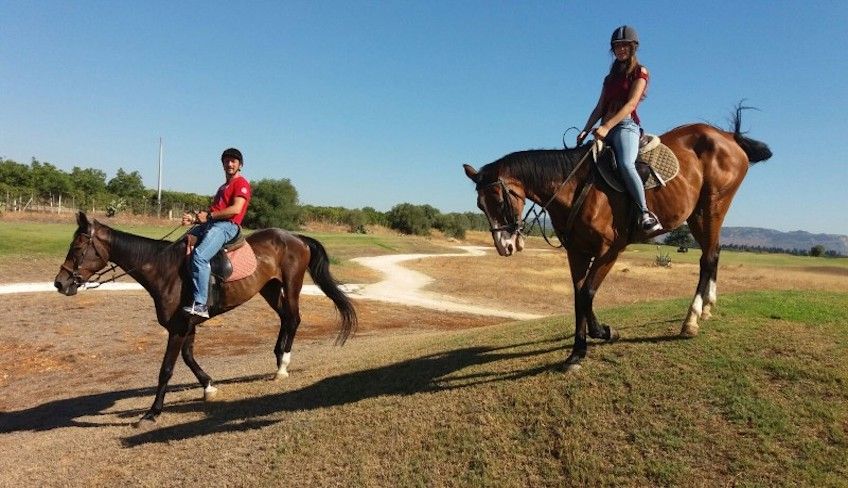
(140, 249)
(536, 168)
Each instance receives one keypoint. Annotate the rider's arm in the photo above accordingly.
(224, 213)
(593, 117)
(636, 92)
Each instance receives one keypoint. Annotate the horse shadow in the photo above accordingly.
(428, 373)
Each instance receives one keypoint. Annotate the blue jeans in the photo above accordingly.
(211, 237)
(624, 139)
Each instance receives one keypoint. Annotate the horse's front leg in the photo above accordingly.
(205, 380)
(175, 343)
(588, 274)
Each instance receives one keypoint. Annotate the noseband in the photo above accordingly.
(512, 224)
(78, 259)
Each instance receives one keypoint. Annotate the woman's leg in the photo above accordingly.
(624, 138)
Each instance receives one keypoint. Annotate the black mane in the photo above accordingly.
(140, 249)
(536, 168)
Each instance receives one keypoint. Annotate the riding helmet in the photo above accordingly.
(232, 153)
(625, 33)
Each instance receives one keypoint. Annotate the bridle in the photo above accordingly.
(79, 258)
(511, 222)
(514, 225)
(97, 275)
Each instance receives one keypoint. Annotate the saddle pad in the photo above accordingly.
(659, 157)
(244, 262)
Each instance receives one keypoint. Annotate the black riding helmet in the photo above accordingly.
(625, 33)
(232, 153)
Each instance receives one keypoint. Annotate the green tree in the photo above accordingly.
(680, 237)
(48, 180)
(411, 219)
(15, 175)
(127, 185)
(817, 250)
(88, 186)
(273, 203)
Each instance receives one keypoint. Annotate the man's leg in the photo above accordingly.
(216, 236)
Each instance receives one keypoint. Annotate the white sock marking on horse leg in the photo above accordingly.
(690, 325)
(711, 300)
(284, 366)
(209, 392)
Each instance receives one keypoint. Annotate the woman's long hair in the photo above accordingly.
(624, 67)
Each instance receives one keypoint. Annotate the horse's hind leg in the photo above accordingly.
(286, 304)
(706, 230)
(209, 391)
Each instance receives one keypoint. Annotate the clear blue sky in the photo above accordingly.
(378, 103)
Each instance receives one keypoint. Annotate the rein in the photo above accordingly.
(539, 214)
(96, 282)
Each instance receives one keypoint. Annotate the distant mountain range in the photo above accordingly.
(754, 236)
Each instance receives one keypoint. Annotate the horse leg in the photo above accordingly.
(587, 274)
(286, 304)
(706, 229)
(175, 343)
(205, 380)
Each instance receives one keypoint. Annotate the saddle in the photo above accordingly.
(236, 259)
(656, 164)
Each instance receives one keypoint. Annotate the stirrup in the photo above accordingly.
(649, 222)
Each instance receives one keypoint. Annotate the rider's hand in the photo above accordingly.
(188, 218)
(601, 132)
(581, 137)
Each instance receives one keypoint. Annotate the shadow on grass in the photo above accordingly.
(424, 374)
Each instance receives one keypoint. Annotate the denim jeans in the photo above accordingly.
(211, 236)
(624, 139)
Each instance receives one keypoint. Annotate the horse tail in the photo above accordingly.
(755, 150)
(319, 270)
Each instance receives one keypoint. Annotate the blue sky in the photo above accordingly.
(379, 103)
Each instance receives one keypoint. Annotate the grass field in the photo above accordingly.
(760, 398)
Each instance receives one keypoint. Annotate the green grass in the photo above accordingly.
(52, 240)
(648, 252)
(760, 398)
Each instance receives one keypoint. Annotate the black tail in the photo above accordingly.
(757, 151)
(319, 270)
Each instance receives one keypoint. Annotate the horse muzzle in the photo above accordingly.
(65, 283)
(508, 244)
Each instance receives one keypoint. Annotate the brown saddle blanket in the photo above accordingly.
(656, 164)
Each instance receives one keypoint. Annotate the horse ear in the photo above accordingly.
(82, 220)
(471, 173)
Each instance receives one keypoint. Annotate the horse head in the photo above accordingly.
(87, 255)
(502, 200)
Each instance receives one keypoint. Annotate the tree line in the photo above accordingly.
(274, 202)
(682, 238)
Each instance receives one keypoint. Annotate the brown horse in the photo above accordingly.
(596, 223)
(282, 259)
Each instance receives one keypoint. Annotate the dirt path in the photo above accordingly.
(399, 286)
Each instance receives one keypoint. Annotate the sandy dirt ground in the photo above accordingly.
(76, 372)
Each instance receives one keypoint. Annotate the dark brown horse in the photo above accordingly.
(282, 259)
(595, 223)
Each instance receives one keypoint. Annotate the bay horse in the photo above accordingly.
(159, 266)
(595, 223)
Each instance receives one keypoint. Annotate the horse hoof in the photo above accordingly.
(145, 422)
(689, 331)
(613, 335)
(209, 393)
(281, 375)
(573, 367)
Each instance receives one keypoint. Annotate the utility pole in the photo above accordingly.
(159, 192)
